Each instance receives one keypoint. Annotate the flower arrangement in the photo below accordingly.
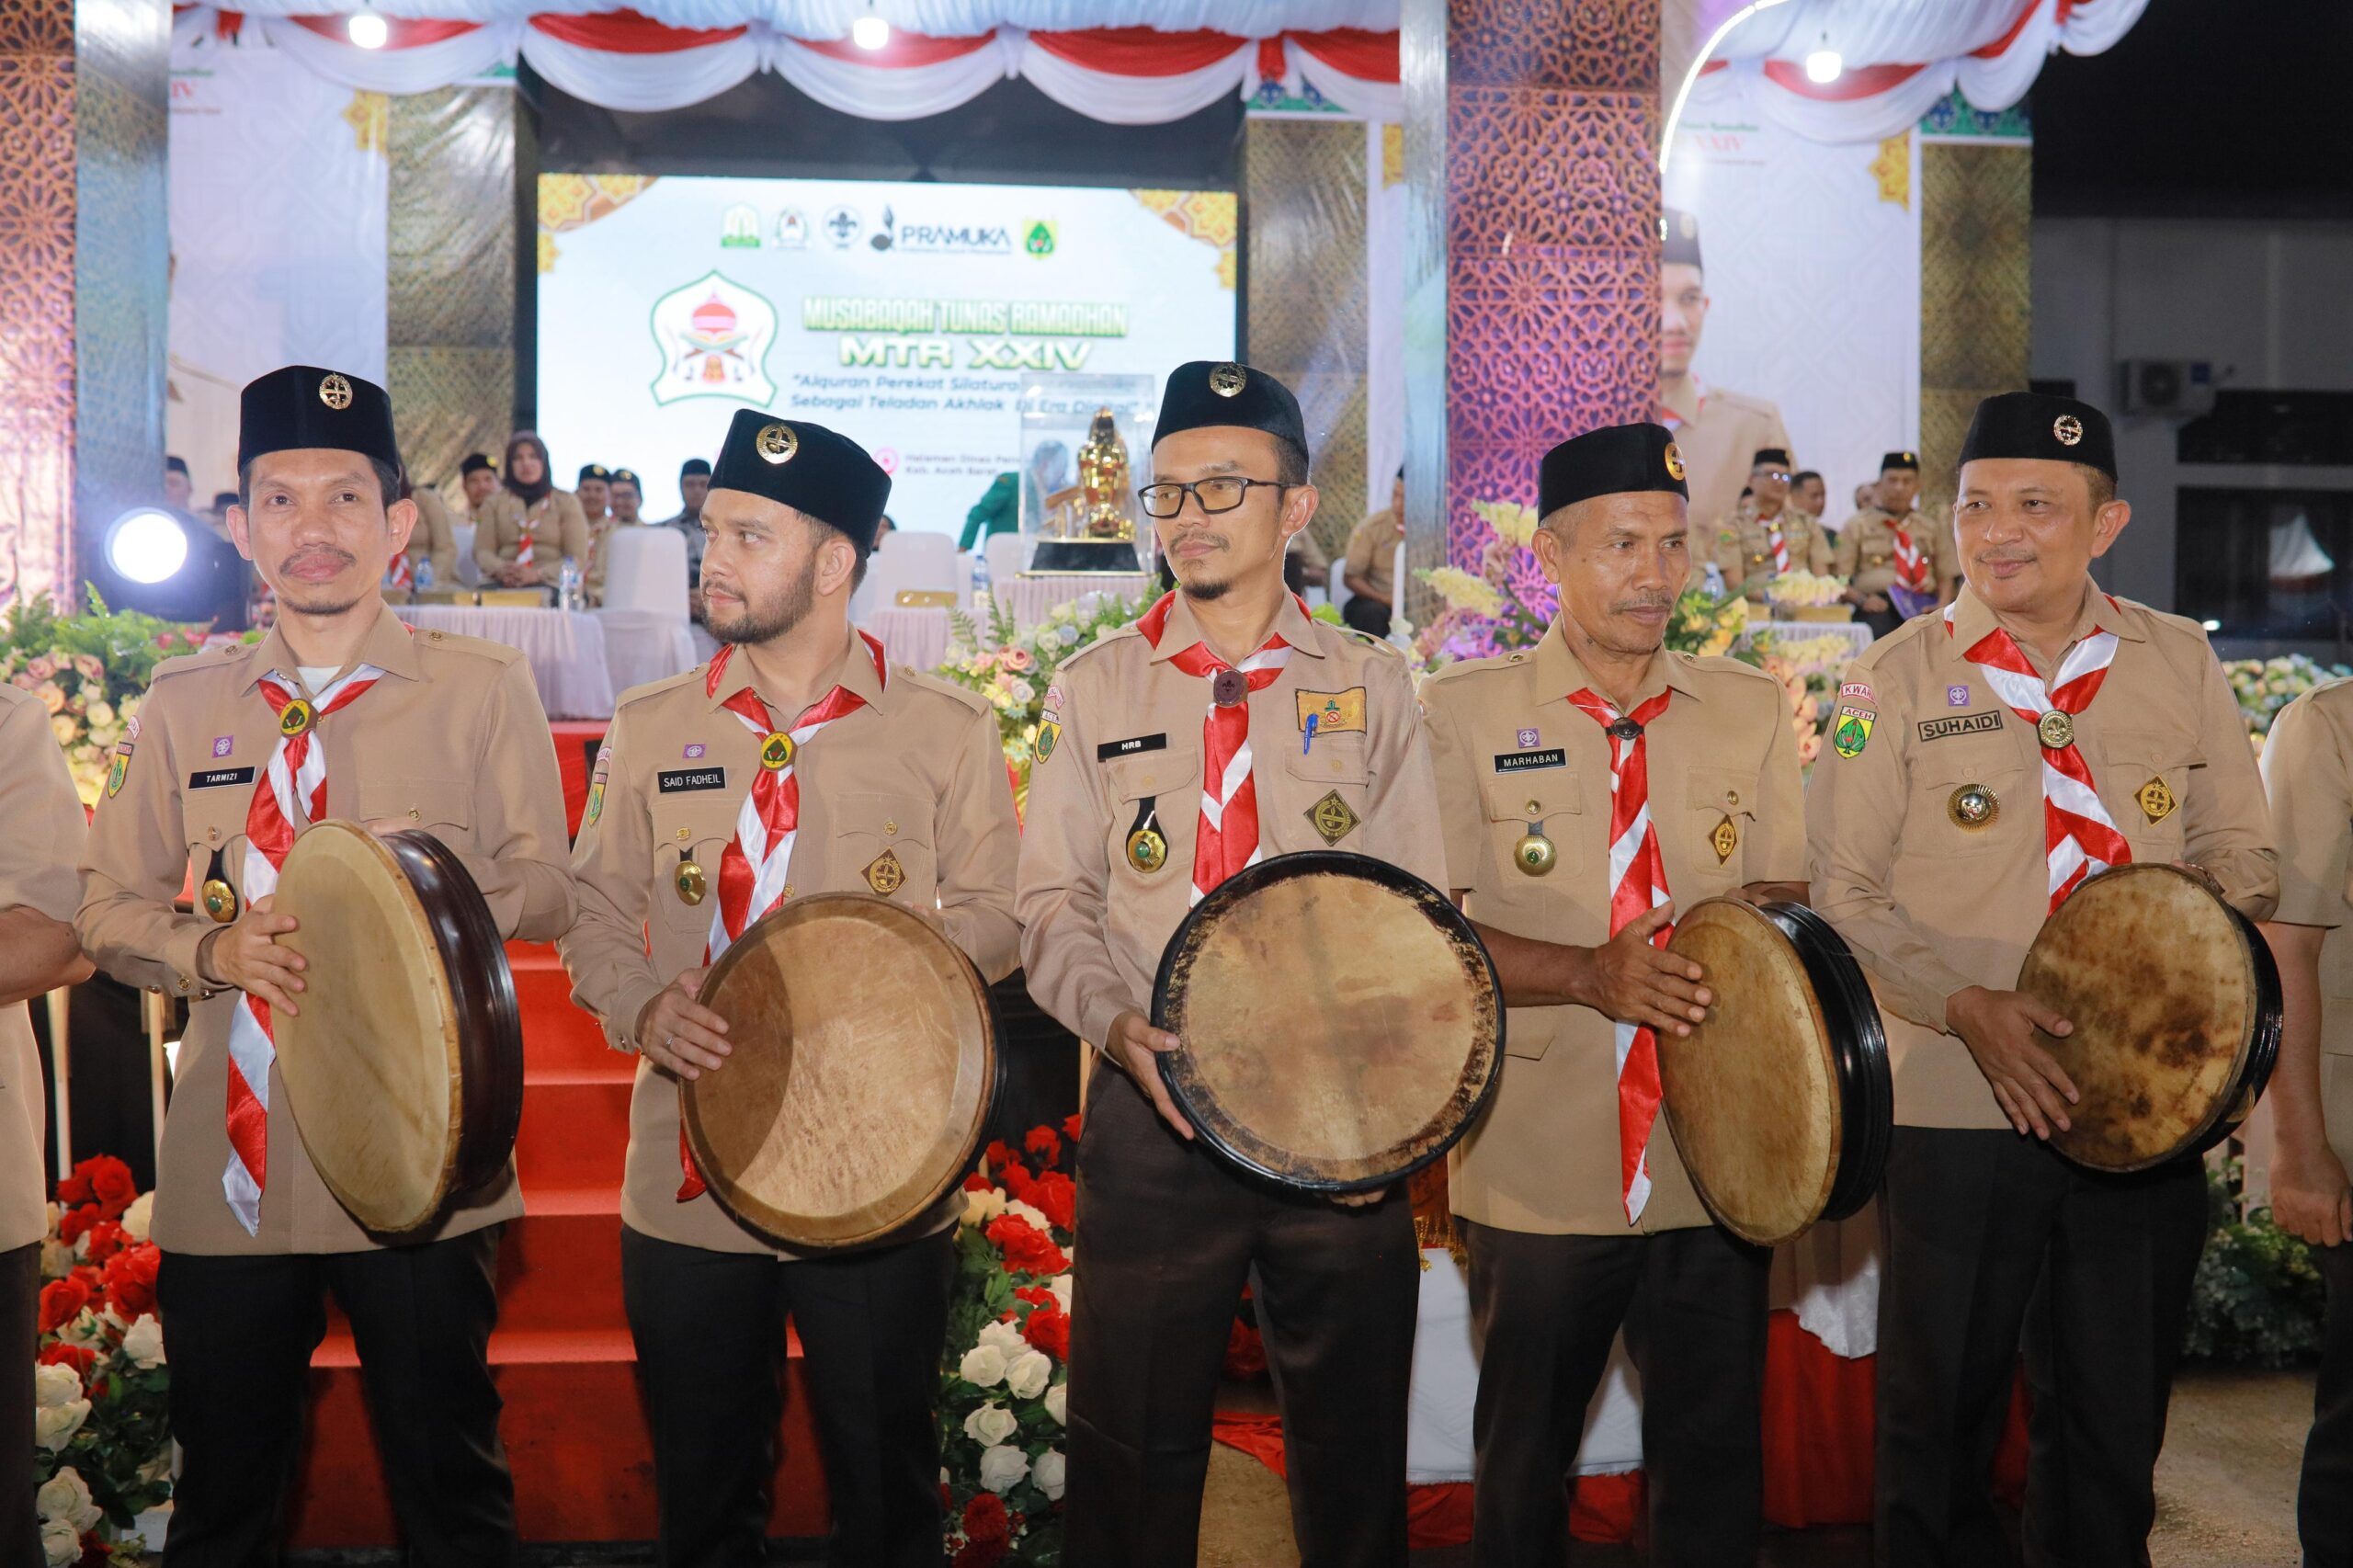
(1012, 667)
(1505, 603)
(1707, 626)
(2258, 1299)
(1004, 1389)
(103, 1446)
(90, 671)
(1794, 591)
(2266, 685)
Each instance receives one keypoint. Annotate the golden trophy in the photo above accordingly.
(1093, 523)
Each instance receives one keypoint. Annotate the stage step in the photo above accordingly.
(574, 1133)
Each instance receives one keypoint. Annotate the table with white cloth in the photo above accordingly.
(579, 659)
(911, 634)
(1856, 632)
(917, 635)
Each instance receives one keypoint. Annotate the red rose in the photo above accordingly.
(1042, 1142)
(61, 1301)
(77, 1220)
(106, 1239)
(1056, 1196)
(80, 1357)
(998, 1155)
(75, 1187)
(1027, 1249)
(984, 1519)
(93, 1552)
(1036, 1295)
(1013, 1176)
(112, 1186)
(1071, 1124)
(976, 1182)
(131, 1280)
(1048, 1330)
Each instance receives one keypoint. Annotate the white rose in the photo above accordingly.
(56, 1259)
(55, 1385)
(1048, 1474)
(60, 1544)
(54, 1425)
(980, 1208)
(1060, 1286)
(983, 1366)
(1027, 1373)
(1003, 1467)
(1003, 1336)
(1045, 1227)
(135, 1218)
(66, 1496)
(143, 1343)
(990, 1424)
(1058, 1403)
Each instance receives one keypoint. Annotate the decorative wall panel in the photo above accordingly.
(36, 293)
(1976, 212)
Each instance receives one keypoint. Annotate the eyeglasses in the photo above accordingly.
(1214, 495)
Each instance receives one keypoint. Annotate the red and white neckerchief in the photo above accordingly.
(1912, 566)
(2080, 838)
(1780, 542)
(294, 794)
(523, 546)
(1637, 886)
(751, 869)
(1661, 414)
(400, 574)
(1228, 837)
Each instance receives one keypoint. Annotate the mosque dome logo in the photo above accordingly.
(713, 335)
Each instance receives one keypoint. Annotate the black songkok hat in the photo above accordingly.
(1900, 463)
(1778, 457)
(625, 476)
(1205, 393)
(808, 468)
(1678, 234)
(301, 406)
(692, 467)
(2034, 424)
(1615, 459)
(593, 471)
(476, 463)
(175, 465)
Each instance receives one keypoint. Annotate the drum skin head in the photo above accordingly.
(1342, 1024)
(2160, 980)
(864, 1070)
(1752, 1095)
(373, 1065)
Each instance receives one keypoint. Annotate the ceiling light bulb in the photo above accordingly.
(367, 30)
(146, 546)
(1823, 66)
(870, 31)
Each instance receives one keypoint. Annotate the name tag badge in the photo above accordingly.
(1528, 761)
(1133, 747)
(219, 777)
(679, 780)
(1959, 725)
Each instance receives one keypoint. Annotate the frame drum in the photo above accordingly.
(1781, 1103)
(404, 1069)
(1342, 1023)
(2175, 1004)
(865, 1068)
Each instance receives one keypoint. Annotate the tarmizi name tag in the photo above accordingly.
(1528, 761)
(678, 780)
(1958, 724)
(219, 777)
(1131, 747)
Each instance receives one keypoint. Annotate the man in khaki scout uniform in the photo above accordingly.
(1898, 561)
(1713, 427)
(434, 542)
(1577, 1214)
(340, 711)
(2308, 770)
(1766, 536)
(38, 954)
(1985, 760)
(1808, 494)
(593, 490)
(895, 787)
(1172, 753)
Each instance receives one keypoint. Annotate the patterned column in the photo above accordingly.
(1976, 217)
(1532, 246)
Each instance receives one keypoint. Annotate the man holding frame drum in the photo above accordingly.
(1590, 788)
(794, 763)
(1988, 759)
(340, 711)
(1222, 729)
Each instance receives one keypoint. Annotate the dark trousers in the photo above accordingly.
(1365, 614)
(1545, 1310)
(239, 1332)
(19, 1333)
(1993, 1244)
(2324, 1498)
(1169, 1232)
(709, 1332)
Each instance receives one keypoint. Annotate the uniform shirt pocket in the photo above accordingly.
(1549, 803)
(2144, 782)
(885, 842)
(1331, 775)
(213, 821)
(1719, 816)
(443, 807)
(1161, 787)
(689, 837)
(1971, 800)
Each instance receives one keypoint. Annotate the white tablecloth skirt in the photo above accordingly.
(579, 660)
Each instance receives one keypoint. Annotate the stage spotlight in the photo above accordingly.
(1824, 65)
(870, 31)
(368, 29)
(146, 546)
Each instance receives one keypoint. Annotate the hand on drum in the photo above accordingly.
(247, 956)
(1998, 1027)
(1133, 1045)
(1635, 982)
(680, 1034)
(2310, 1195)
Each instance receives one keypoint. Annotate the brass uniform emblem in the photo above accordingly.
(294, 718)
(1147, 850)
(689, 881)
(2157, 802)
(1534, 853)
(886, 875)
(777, 750)
(1974, 806)
(220, 900)
(1674, 461)
(1724, 840)
(1228, 379)
(777, 443)
(2055, 730)
(336, 393)
(1332, 818)
(2068, 429)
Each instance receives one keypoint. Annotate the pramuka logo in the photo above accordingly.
(935, 239)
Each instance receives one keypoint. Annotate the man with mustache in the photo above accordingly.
(893, 784)
(1713, 427)
(1898, 562)
(1985, 760)
(1222, 728)
(1766, 536)
(1577, 1214)
(340, 711)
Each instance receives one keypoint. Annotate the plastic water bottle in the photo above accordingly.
(568, 590)
(1715, 581)
(980, 580)
(425, 575)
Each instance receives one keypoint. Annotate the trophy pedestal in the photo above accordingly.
(1106, 555)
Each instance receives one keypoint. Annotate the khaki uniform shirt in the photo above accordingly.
(1867, 549)
(592, 569)
(1511, 752)
(558, 528)
(1744, 548)
(46, 830)
(1931, 907)
(1373, 553)
(916, 775)
(1093, 927)
(1720, 443)
(2308, 770)
(451, 739)
(435, 540)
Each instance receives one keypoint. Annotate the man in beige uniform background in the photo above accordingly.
(1115, 849)
(1898, 561)
(593, 490)
(2308, 771)
(1713, 428)
(1765, 535)
(433, 546)
(1808, 494)
(424, 729)
(901, 794)
(1369, 565)
(1933, 849)
(1577, 1214)
(38, 954)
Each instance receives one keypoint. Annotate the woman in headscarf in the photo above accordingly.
(525, 533)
